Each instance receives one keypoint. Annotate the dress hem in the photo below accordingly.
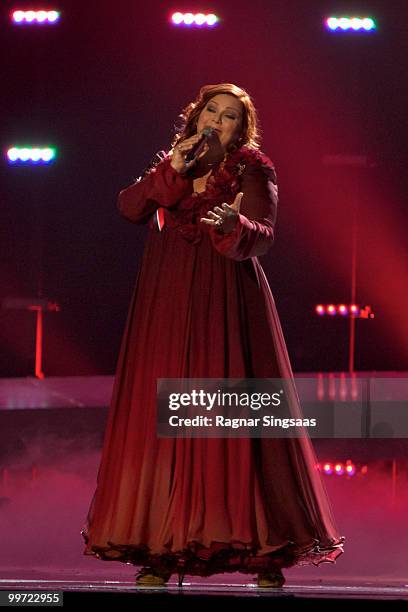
(219, 558)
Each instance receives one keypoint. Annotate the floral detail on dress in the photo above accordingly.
(222, 186)
(241, 168)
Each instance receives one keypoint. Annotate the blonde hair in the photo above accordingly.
(250, 130)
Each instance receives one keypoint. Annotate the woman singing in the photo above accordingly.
(202, 308)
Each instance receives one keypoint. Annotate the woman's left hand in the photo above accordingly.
(225, 217)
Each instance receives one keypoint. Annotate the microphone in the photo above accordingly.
(199, 146)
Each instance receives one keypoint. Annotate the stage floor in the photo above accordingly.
(221, 588)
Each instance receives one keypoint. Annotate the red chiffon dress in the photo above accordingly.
(202, 308)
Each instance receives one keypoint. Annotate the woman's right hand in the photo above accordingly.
(180, 152)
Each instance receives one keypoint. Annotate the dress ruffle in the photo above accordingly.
(220, 557)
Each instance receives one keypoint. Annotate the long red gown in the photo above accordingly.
(202, 308)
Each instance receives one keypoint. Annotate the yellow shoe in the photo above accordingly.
(271, 580)
(148, 577)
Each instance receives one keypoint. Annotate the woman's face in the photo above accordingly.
(222, 112)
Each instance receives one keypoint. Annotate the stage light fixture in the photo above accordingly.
(38, 17)
(340, 468)
(31, 155)
(351, 310)
(350, 24)
(194, 19)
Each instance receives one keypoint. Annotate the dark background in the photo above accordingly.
(106, 86)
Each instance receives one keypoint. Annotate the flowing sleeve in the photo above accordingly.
(254, 233)
(162, 186)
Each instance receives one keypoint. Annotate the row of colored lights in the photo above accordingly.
(341, 469)
(198, 19)
(31, 155)
(351, 23)
(35, 17)
(333, 309)
(334, 24)
(344, 310)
